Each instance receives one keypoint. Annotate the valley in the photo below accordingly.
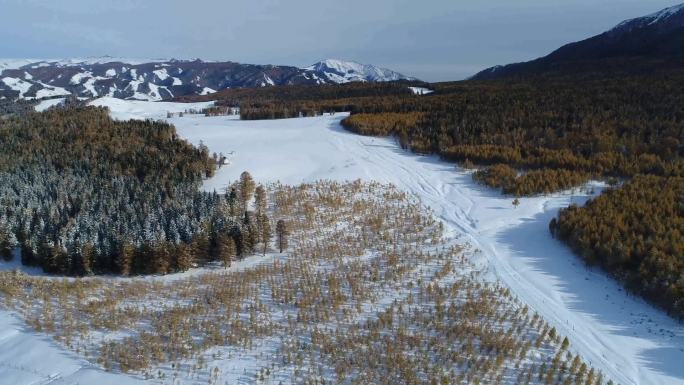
(506, 243)
(198, 216)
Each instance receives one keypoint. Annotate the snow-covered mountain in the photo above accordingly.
(166, 79)
(664, 20)
(636, 45)
(339, 71)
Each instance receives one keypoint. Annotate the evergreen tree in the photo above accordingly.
(201, 247)
(125, 258)
(184, 257)
(250, 233)
(260, 200)
(264, 226)
(161, 258)
(247, 187)
(6, 243)
(232, 201)
(227, 250)
(282, 232)
(87, 259)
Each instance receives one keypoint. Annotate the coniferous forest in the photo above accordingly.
(636, 232)
(81, 193)
(541, 134)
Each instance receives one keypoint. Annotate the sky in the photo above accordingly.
(434, 40)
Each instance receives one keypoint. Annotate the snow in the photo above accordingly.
(111, 72)
(50, 91)
(133, 109)
(45, 104)
(654, 18)
(89, 85)
(154, 91)
(664, 14)
(421, 90)
(630, 341)
(78, 78)
(17, 84)
(11, 64)
(29, 358)
(340, 71)
(161, 74)
(207, 91)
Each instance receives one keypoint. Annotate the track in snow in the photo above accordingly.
(630, 341)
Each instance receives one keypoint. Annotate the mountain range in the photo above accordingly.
(166, 79)
(636, 45)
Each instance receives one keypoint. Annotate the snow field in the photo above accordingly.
(365, 264)
(626, 339)
(629, 340)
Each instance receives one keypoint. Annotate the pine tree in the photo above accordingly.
(47, 259)
(124, 258)
(200, 247)
(226, 249)
(247, 187)
(264, 226)
(161, 258)
(260, 200)
(282, 232)
(232, 201)
(5, 243)
(250, 234)
(184, 257)
(87, 259)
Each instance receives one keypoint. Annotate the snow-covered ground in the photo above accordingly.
(47, 103)
(29, 358)
(135, 109)
(626, 338)
(630, 341)
(421, 90)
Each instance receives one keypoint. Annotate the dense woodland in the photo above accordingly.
(587, 125)
(635, 232)
(81, 194)
(540, 134)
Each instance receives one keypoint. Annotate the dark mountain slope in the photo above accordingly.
(647, 43)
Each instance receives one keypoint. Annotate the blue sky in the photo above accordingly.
(430, 39)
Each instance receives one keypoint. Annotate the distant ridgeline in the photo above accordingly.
(81, 194)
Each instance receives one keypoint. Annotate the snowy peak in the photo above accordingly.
(642, 44)
(340, 71)
(165, 79)
(662, 21)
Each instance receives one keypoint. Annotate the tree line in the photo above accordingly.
(635, 232)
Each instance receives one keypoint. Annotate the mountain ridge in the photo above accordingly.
(163, 79)
(639, 44)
